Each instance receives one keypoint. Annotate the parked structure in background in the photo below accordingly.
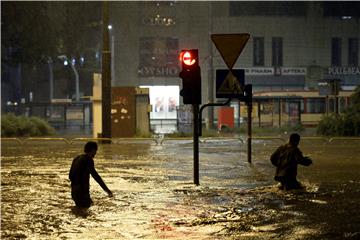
(129, 110)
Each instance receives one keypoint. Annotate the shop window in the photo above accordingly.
(277, 51)
(336, 51)
(342, 104)
(353, 51)
(315, 105)
(258, 51)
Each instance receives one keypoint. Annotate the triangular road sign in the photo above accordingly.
(230, 46)
(231, 85)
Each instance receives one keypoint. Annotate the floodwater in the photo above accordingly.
(155, 198)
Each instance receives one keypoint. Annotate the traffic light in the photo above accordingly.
(191, 76)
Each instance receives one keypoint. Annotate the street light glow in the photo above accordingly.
(109, 27)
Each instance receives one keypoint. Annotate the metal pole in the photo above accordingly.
(210, 71)
(112, 58)
(280, 112)
(106, 76)
(209, 105)
(196, 143)
(51, 83)
(77, 96)
(259, 112)
(239, 114)
(249, 108)
(51, 79)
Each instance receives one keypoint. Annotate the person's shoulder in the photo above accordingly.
(283, 147)
(82, 157)
(77, 158)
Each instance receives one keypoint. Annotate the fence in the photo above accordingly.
(161, 140)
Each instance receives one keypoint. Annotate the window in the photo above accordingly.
(277, 53)
(340, 8)
(336, 51)
(258, 51)
(268, 8)
(315, 105)
(353, 51)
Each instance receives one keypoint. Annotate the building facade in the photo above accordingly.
(292, 45)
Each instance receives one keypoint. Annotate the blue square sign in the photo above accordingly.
(230, 83)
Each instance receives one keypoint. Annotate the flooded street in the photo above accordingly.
(155, 198)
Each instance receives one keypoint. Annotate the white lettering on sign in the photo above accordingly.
(344, 71)
(259, 71)
(159, 21)
(293, 71)
(271, 71)
(158, 71)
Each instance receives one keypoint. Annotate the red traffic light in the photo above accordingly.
(187, 58)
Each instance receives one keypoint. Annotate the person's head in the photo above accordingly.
(294, 139)
(91, 148)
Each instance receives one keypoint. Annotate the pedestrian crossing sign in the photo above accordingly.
(230, 83)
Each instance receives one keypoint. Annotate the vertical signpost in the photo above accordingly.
(233, 85)
(230, 84)
(248, 101)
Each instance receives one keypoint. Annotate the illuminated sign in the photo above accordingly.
(186, 58)
(159, 21)
(158, 57)
(344, 71)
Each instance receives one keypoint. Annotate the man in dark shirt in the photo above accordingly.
(286, 158)
(81, 168)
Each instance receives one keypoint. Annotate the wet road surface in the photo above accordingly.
(154, 197)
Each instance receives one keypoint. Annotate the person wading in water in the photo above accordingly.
(286, 158)
(81, 168)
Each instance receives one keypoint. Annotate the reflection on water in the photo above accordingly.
(154, 196)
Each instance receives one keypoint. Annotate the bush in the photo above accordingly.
(21, 126)
(340, 125)
(347, 124)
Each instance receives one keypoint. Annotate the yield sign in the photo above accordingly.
(230, 46)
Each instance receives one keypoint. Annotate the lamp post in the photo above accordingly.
(106, 75)
(51, 78)
(112, 50)
(72, 63)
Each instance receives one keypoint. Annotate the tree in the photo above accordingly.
(34, 34)
(346, 124)
(29, 31)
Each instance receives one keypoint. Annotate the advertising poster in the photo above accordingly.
(164, 101)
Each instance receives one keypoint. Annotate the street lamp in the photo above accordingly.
(110, 27)
(66, 61)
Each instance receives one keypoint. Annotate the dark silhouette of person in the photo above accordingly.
(286, 158)
(79, 175)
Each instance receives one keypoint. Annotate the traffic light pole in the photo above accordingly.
(209, 105)
(196, 143)
(249, 111)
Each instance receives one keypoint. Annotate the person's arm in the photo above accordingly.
(306, 161)
(275, 157)
(71, 173)
(98, 179)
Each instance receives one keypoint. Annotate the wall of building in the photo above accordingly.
(306, 43)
